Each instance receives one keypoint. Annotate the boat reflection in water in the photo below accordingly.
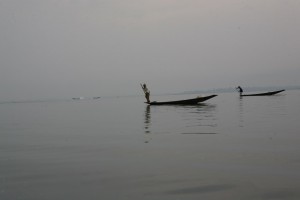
(179, 119)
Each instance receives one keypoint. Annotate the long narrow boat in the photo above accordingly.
(263, 94)
(183, 102)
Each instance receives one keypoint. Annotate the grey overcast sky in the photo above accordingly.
(66, 48)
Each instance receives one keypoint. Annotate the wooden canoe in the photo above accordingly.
(263, 94)
(183, 102)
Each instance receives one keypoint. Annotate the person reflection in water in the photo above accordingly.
(240, 90)
(147, 124)
(146, 91)
(147, 119)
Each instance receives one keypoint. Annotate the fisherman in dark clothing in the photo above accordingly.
(240, 90)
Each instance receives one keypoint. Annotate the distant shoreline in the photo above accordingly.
(246, 89)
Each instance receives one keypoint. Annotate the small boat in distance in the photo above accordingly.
(262, 94)
(78, 98)
(193, 101)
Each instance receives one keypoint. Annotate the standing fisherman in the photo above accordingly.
(146, 91)
(240, 90)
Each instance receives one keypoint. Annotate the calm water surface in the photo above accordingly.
(120, 148)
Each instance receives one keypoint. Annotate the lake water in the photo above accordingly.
(120, 148)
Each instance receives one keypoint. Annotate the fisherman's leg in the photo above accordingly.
(148, 97)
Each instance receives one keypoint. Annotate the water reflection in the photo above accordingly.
(201, 118)
(191, 119)
(147, 119)
(147, 123)
(241, 112)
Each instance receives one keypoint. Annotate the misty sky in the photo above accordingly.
(70, 48)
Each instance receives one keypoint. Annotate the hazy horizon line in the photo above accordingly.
(214, 90)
